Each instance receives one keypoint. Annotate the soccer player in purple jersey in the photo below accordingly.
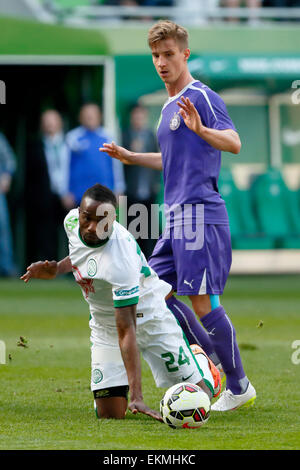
(194, 128)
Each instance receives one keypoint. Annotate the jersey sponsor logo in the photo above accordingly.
(175, 122)
(92, 267)
(122, 292)
(71, 222)
(97, 376)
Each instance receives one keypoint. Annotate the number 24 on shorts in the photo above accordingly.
(171, 363)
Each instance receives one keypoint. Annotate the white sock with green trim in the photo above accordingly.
(203, 364)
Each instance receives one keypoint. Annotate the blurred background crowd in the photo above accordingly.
(60, 165)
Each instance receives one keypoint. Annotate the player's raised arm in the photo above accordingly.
(149, 160)
(226, 140)
(47, 269)
(126, 326)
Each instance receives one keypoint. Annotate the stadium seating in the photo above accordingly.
(244, 229)
(277, 209)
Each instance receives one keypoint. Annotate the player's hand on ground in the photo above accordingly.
(190, 115)
(118, 152)
(40, 270)
(139, 406)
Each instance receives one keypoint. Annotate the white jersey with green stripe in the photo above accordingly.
(114, 273)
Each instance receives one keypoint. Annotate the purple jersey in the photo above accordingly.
(190, 165)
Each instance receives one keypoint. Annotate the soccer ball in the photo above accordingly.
(185, 405)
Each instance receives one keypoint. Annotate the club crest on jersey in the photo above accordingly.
(97, 376)
(175, 122)
(71, 222)
(92, 267)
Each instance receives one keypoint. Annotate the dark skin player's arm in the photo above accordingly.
(126, 326)
(47, 269)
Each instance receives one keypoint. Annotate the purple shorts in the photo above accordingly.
(194, 271)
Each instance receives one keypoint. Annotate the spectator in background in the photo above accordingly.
(7, 169)
(48, 199)
(142, 183)
(239, 3)
(252, 4)
(88, 166)
(137, 4)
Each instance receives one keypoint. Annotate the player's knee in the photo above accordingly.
(201, 305)
(103, 413)
(204, 304)
(111, 403)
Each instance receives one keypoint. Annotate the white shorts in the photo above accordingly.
(163, 346)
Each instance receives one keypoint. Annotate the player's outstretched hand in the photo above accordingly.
(118, 152)
(140, 407)
(40, 270)
(190, 115)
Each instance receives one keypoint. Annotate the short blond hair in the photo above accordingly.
(166, 29)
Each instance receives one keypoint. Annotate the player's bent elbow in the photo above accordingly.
(237, 150)
(236, 147)
(233, 142)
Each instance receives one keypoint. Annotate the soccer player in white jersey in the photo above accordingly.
(193, 129)
(128, 312)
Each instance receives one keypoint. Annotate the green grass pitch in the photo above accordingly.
(45, 401)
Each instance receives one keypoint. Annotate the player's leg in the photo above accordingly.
(194, 332)
(162, 262)
(168, 353)
(109, 382)
(215, 372)
(111, 402)
(191, 270)
(217, 252)
(239, 391)
(191, 326)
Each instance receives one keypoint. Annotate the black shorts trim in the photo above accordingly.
(121, 391)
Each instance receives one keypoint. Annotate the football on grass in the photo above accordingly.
(185, 405)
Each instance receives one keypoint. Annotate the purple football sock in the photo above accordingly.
(223, 337)
(191, 327)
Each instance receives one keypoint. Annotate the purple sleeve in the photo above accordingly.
(213, 111)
